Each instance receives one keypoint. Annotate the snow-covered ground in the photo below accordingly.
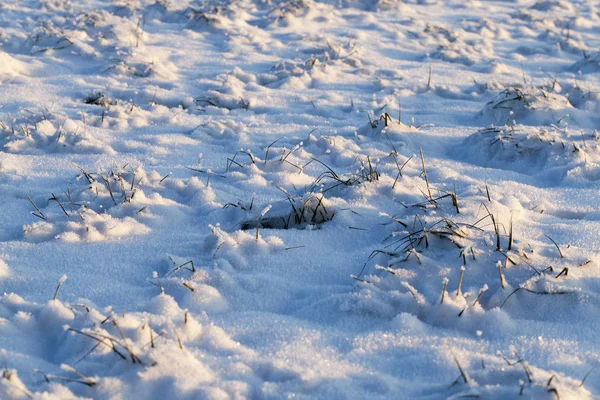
(327, 199)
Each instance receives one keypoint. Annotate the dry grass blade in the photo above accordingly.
(523, 258)
(8, 375)
(134, 359)
(455, 202)
(523, 364)
(269, 148)
(565, 272)
(425, 174)
(87, 354)
(192, 268)
(554, 391)
(197, 169)
(556, 244)
(481, 292)
(86, 380)
(460, 279)
(100, 340)
(395, 220)
(39, 214)
(400, 171)
(87, 176)
(49, 377)
(533, 292)
(444, 290)
(60, 283)
(56, 199)
(463, 374)
(262, 214)
(510, 233)
(107, 185)
(179, 342)
(588, 374)
(333, 174)
(496, 228)
(429, 77)
(294, 247)
(151, 335)
(165, 177)
(358, 279)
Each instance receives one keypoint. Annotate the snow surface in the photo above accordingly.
(328, 199)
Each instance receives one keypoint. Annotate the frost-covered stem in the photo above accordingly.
(460, 279)
(480, 334)
(502, 280)
(444, 290)
(60, 283)
(429, 78)
(151, 335)
(262, 214)
(481, 291)
(425, 174)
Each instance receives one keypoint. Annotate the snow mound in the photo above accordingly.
(589, 64)
(525, 149)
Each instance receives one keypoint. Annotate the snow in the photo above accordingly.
(308, 198)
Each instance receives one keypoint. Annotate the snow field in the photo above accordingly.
(310, 199)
